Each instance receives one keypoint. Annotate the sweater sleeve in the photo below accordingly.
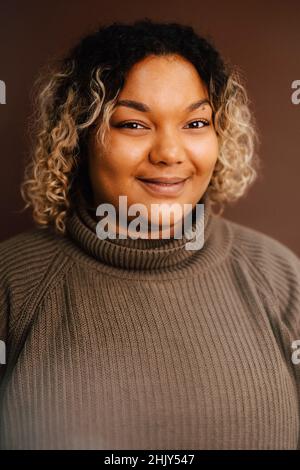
(285, 282)
(275, 270)
(279, 269)
(30, 263)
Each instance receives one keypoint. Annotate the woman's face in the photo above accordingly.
(161, 128)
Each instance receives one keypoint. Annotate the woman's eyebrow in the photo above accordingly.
(144, 108)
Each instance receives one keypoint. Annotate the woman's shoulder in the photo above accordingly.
(260, 246)
(28, 247)
(26, 238)
(274, 265)
(29, 259)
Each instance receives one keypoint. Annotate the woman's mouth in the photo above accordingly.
(165, 186)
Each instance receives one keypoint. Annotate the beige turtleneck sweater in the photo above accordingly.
(142, 344)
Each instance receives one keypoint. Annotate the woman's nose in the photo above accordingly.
(167, 149)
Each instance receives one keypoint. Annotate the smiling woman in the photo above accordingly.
(168, 150)
(142, 343)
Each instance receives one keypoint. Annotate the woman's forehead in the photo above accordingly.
(163, 67)
(161, 81)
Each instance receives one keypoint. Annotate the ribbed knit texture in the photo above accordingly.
(142, 344)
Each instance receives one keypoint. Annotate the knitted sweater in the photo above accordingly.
(142, 344)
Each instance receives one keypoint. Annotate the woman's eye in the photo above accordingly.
(130, 125)
(201, 122)
(198, 124)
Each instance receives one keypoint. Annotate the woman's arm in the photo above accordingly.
(276, 271)
(282, 269)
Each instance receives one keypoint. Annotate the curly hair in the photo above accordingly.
(79, 92)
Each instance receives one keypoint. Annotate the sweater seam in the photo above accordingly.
(271, 297)
(62, 274)
(32, 300)
(170, 275)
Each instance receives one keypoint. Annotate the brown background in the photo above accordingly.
(263, 39)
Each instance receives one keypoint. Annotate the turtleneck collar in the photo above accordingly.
(137, 254)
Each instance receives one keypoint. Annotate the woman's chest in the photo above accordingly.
(148, 366)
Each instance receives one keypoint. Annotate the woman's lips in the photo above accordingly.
(171, 189)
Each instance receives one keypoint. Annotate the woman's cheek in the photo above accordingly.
(211, 149)
(205, 154)
(128, 150)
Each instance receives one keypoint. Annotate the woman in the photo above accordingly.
(135, 342)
